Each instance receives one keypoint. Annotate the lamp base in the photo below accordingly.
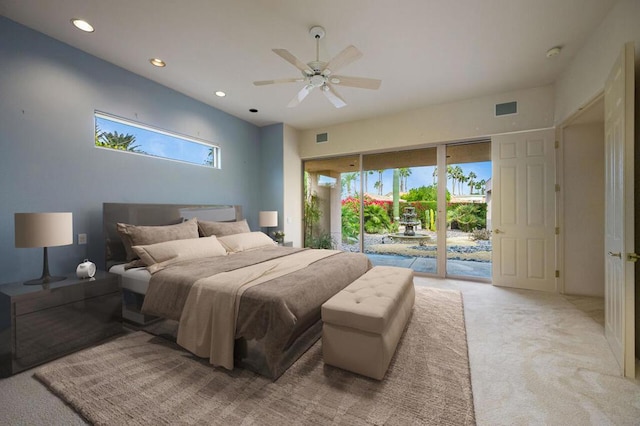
(44, 280)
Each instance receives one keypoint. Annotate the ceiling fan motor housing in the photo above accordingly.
(317, 32)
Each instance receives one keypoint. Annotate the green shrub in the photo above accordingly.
(322, 241)
(350, 224)
(376, 219)
(467, 217)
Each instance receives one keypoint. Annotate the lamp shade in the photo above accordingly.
(43, 229)
(268, 219)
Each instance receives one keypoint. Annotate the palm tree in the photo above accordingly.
(366, 180)
(461, 178)
(481, 186)
(115, 140)
(209, 160)
(378, 186)
(471, 178)
(348, 179)
(404, 173)
(452, 175)
(379, 182)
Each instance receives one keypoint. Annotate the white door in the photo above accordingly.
(619, 216)
(523, 210)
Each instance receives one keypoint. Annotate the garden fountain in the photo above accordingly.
(409, 220)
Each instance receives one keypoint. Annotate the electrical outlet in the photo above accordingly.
(82, 238)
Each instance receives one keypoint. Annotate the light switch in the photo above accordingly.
(82, 238)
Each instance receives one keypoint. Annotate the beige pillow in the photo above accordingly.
(246, 241)
(134, 235)
(220, 229)
(157, 256)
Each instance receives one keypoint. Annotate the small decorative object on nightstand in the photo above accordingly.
(278, 236)
(86, 269)
(39, 323)
(286, 243)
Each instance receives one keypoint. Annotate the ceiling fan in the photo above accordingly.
(319, 74)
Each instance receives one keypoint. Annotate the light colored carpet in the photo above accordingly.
(541, 359)
(141, 379)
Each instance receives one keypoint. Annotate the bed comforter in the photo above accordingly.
(273, 316)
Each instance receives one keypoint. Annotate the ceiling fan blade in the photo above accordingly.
(300, 96)
(281, 80)
(287, 56)
(333, 97)
(361, 82)
(348, 55)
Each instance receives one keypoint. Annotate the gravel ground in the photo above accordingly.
(463, 248)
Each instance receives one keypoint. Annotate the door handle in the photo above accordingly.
(497, 231)
(632, 257)
(617, 254)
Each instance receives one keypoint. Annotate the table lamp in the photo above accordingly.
(43, 230)
(268, 219)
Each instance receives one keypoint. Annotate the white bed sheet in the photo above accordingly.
(134, 279)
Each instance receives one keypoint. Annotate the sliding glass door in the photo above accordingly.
(400, 209)
(386, 205)
(469, 210)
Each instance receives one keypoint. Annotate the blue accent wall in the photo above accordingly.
(271, 172)
(48, 94)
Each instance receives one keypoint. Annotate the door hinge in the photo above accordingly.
(557, 230)
(557, 187)
(557, 144)
(557, 273)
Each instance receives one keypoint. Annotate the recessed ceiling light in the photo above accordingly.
(554, 51)
(253, 110)
(220, 94)
(83, 25)
(157, 62)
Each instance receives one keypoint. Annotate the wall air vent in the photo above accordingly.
(322, 137)
(507, 108)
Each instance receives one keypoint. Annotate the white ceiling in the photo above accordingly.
(425, 51)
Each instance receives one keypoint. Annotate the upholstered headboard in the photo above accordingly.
(155, 214)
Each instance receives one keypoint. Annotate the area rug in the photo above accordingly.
(143, 379)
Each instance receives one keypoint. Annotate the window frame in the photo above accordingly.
(216, 151)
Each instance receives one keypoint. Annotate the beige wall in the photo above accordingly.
(292, 179)
(585, 76)
(583, 207)
(462, 120)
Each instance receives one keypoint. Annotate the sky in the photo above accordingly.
(158, 144)
(423, 176)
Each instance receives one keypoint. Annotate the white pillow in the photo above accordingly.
(246, 241)
(157, 256)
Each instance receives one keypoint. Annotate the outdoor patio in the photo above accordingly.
(465, 257)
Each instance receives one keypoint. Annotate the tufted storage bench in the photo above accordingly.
(363, 323)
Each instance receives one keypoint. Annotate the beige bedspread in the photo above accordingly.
(208, 322)
(278, 319)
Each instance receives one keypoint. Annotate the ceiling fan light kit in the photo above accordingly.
(318, 74)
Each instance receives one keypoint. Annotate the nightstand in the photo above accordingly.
(39, 323)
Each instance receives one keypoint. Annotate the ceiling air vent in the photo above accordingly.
(322, 137)
(506, 108)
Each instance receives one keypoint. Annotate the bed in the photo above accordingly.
(274, 316)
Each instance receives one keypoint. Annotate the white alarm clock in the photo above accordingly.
(86, 269)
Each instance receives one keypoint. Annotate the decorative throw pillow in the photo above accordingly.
(159, 255)
(134, 235)
(220, 229)
(246, 241)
